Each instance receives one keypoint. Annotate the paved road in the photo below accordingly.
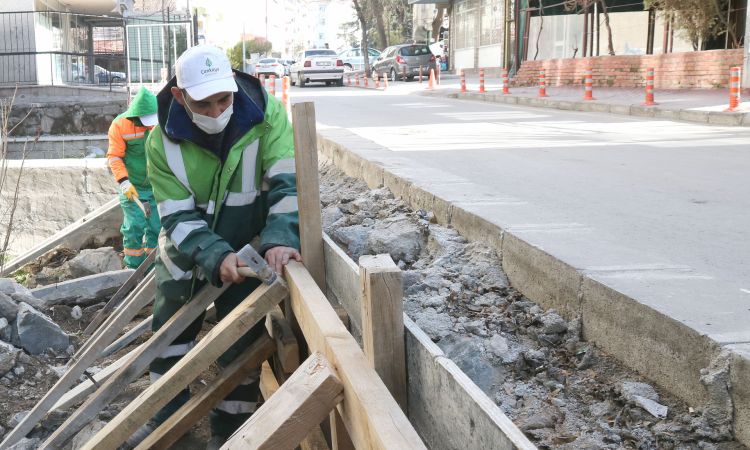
(659, 210)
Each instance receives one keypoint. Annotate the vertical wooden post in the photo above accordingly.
(383, 322)
(340, 439)
(308, 191)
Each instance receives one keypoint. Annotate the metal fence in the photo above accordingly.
(59, 48)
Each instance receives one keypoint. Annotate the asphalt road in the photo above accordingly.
(659, 210)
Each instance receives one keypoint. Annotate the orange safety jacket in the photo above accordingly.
(126, 154)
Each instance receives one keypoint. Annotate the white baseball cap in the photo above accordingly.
(204, 70)
(149, 120)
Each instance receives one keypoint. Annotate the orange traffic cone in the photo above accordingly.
(431, 81)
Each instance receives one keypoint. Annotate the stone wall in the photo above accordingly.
(57, 147)
(706, 69)
(67, 117)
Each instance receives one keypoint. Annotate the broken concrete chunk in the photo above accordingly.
(329, 216)
(6, 330)
(436, 325)
(655, 409)
(26, 444)
(83, 291)
(37, 332)
(399, 237)
(8, 307)
(9, 286)
(8, 355)
(353, 238)
(552, 323)
(94, 261)
(86, 433)
(631, 389)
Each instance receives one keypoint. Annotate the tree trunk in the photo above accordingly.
(728, 28)
(437, 22)
(605, 11)
(362, 16)
(377, 13)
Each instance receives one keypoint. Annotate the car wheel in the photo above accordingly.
(301, 80)
(410, 78)
(116, 80)
(392, 75)
(340, 82)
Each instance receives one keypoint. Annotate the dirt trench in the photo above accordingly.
(561, 391)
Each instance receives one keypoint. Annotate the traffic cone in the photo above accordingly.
(506, 91)
(463, 81)
(431, 81)
(649, 87)
(481, 81)
(734, 90)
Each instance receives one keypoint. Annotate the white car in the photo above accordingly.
(270, 66)
(319, 64)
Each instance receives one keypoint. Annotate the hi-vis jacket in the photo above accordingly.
(127, 139)
(209, 208)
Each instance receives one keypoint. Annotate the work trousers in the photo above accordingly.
(139, 234)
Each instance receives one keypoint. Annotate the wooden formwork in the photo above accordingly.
(359, 397)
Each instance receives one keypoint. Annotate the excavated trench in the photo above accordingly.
(561, 391)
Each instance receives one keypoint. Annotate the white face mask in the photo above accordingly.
(212, 125)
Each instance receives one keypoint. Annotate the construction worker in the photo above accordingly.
(221, 162)
(127, 159)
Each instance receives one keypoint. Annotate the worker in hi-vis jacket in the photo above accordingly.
(127, 160)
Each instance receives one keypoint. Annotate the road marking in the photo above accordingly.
(746, 291)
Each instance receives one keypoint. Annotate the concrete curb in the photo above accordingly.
(685, 115)
(662, 349)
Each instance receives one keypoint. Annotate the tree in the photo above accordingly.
(585, 5)
(378, 14)
(257, 45)
(700, 20)
(443, 10)
(361, 7)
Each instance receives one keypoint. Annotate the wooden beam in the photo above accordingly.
(214, 344)
(308, 190)
(120, 295)
(200, 405)
(297, 407)
(133, 334)
(268, 386)
(371, 415)
(154, 347)
(383, 322)
(78, 393)
(85, 358)
(342, 280)
(286, 343)
(340, 439)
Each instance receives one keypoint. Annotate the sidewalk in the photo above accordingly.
(694, 105)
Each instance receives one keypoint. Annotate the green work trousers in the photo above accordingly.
(139, 234)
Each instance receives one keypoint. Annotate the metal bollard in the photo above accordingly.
(649, 87)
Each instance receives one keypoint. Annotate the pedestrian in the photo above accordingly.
(221, 162)
(127, 160)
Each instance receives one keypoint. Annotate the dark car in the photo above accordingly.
(398, 60)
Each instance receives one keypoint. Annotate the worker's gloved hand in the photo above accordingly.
(128, 190)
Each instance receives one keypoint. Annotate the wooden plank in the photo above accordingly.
(154, 347)
(121, 293)
(133, 334)
(213, 345)
(268, 386)
(371, 415)
(84, 359)
(78, 393)
(383, 323)
(472, 420)
(342, 280)
(297, 407)
(102, 222)
(340, 439)
(308, 190)
(200, 405)
(286, 343)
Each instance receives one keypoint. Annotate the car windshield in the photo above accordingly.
(320, 52)
(267, 61)
(415, 50)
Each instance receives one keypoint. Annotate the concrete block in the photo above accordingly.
(642, 111)
(476, 228)
(599, 107)
(693, 116)
(83, 291)
(671, 114)
(37, 332)
(662, 349)
(725, 118)
(582, 106)
(397, 185)
(746, 120)
(541, 277)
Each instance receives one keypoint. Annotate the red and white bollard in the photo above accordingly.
(367, 80)
(262, 79)
(649, 87)
(377, 81)
(357, 79)
(272, 80)
(506, 91)
(385, 80)
(734, 89)
(285, 95)
(481, 81)
(542, 84)
(463, 81)
(349, 80)
(588, 85)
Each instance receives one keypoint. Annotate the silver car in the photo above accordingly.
(405, 59)
(354, 60)
(318, 65)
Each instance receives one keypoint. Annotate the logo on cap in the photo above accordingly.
(210, 69)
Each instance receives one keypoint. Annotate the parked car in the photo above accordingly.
(408, 58)
(101, 75)
(287, 66)
(354, 60)
(319, 64)
(269, 66)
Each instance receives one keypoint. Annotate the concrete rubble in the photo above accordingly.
(83, 291)
(561, 391)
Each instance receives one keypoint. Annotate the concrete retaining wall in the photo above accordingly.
(668, 352)
(55, 147)
(66, 117)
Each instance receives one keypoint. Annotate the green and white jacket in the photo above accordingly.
(209, 208)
